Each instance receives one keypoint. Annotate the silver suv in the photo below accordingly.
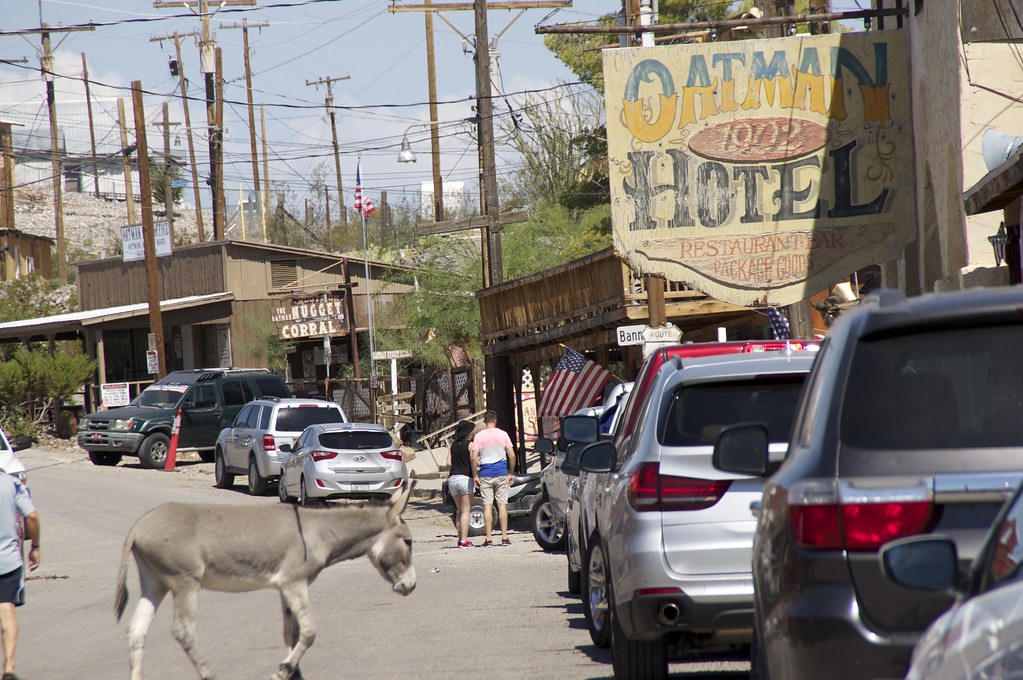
(668, 538)
(252, 444)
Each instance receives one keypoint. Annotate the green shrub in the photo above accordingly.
(34, 382)
(16, 425)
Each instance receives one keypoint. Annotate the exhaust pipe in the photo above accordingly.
(669, 613)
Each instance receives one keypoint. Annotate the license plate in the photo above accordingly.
(96, 436)
(360, 486)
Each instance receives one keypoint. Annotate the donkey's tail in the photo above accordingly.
(121, 600)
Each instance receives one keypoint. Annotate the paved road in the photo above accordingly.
(497, 613)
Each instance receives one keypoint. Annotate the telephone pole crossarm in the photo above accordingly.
(468, 6)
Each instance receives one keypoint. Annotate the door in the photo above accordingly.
(239, 437)
(200, 423)
(235, 394)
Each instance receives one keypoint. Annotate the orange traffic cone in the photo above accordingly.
(172, 449)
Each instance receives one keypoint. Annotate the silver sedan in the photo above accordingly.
(341, 460)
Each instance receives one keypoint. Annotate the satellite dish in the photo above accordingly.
(998, 147)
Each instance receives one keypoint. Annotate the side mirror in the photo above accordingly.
(742, 450)
(580, 429)
(570, 464)
(284, 448)
(187, 405)
(543, 445)
(597, 457)
(922, 563)
(21, 444)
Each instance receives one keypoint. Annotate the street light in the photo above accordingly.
(998, 242)
(406, 155)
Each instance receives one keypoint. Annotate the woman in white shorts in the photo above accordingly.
(460, 474)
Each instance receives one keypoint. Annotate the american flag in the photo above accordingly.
(363, 205)
(779, 324)
(576, 382)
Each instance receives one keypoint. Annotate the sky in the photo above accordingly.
(382, 53)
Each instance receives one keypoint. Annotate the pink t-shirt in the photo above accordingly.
(491, 444)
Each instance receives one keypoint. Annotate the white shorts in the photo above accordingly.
(460, 485)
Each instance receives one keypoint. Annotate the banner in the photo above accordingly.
(311, 315)
(761, 171)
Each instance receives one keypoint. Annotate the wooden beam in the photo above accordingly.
(477, 222)
(468, 6)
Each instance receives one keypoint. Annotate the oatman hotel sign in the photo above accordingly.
(761, 171)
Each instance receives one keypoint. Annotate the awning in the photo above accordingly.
(73, 322)
(997, 189)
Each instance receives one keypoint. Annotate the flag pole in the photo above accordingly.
(369, 284)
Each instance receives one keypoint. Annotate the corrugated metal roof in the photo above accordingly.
(66, 322)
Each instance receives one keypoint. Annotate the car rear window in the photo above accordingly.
(697, 412)
(944, 388)
(298, 418)
(273, 387)
(356, 440)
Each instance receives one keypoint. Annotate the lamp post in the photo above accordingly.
(407, 155)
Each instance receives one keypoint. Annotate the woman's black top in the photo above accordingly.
(460, 464)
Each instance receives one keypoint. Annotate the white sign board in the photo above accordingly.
(384, 355)
(630, 335)
(668, 333)
(133, 245)
(152, 362)
(115, 394)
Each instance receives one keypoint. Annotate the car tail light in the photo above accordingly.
(268, 443)
(650, 490)
(323, 455)
(398, 482)
(393, 454)
(858, 514)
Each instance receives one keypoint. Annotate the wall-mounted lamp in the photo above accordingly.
(998, 242)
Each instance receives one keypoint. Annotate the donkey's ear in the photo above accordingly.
(399, 501)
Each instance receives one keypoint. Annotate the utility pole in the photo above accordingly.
(220, 204)
(148, 233)
(266, 170)
(333, 133)
(129, 198)
(431, 76)
(485, 126)
(92, 129)
(326, 207)
(208, 59)
(183, 85)
(168, 185)
(252, 117)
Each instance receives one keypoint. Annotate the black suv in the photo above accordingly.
(208, 399)
(911, 422)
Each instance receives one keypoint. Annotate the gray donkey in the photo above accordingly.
(181, 548)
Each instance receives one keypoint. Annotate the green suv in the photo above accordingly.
(208, 399)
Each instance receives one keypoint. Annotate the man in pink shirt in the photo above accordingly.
(493, 459)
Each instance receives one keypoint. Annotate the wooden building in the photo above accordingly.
(24, 254)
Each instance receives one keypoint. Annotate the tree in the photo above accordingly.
(157, 178)
(581, 53)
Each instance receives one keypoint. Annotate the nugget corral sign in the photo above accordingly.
(310, 316)
(761, 171)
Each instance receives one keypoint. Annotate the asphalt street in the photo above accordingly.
(500, 612)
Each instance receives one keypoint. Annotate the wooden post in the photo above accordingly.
(266, 170)
(197, 195)
(353, 340)
(129, 194)
(92, 129)
(431, 76)
(656, 312)
(55, 164)
(149, 236)
(326, 207)
(6, 179)
(168, 184)
(252, 115)
(221, 198)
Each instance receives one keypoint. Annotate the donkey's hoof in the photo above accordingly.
(286, 672)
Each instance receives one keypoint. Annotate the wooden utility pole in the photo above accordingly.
(431, 75)
(333, 133)
(208, 59)
(7, 177)
(266, 170)
(183, 85)
(220, 205)
(252, 117)
(148, 232)
(485, 126)
(168, 183)
(92, 129)
(129, 196)
(326, 208)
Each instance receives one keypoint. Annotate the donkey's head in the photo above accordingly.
(391, 553)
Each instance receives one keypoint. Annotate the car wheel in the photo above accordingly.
(222, 479)
(303, 495)
(548, 531)
(637, 659)
(206, 456)
(153, 453)
(575, 579)
(104, 458)
(282, 490)
(257, 482)
(596, 605)
(477, 520)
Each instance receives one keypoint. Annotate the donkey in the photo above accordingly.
(181, 548)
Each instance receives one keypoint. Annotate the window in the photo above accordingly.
(938, 388)
(1006, 551)
(698, 412)
(243, 417)
(235, 393)
(298, 418)
(203, 396)
(273, 387)
(264, 417)
(356, 440)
